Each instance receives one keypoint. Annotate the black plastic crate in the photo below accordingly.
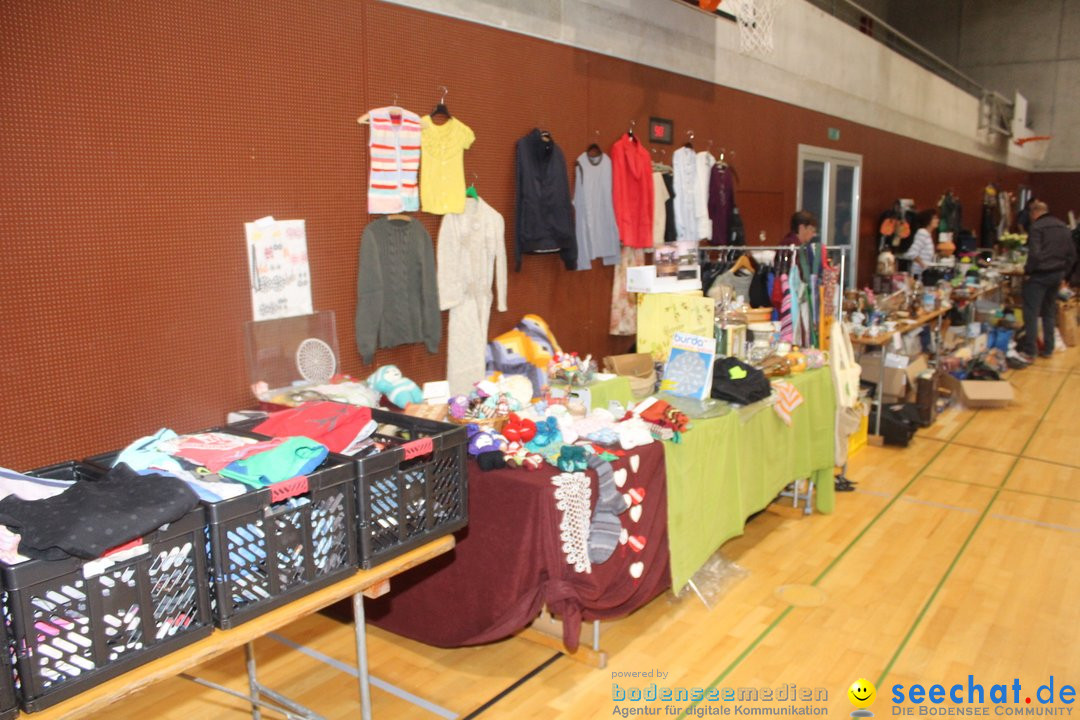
(270, 546)
(411, 492)
(9, 704)
(74, 623)
(266, 549)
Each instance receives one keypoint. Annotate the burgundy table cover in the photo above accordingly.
(509, 562)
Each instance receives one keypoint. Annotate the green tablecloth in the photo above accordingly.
(727, 468)
(603, 392)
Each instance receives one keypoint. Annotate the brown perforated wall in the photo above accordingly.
(138, 137)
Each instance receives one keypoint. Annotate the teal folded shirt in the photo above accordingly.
(295, 456)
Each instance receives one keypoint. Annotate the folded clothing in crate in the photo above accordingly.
(89, 517)
(289, 529)
(75, 623)
(334, 424)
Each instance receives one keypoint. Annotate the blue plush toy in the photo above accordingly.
(398, 389)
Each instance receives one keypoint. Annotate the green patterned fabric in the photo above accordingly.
(727, 468)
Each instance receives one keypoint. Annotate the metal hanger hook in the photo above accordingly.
(690, 133)
(445, 92)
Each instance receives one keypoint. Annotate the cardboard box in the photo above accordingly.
(645, 279)
(981, 393)
(895, 377)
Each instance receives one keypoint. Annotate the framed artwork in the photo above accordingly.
(661, 130)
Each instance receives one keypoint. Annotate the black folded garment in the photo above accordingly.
(737, 382)
(93, 516)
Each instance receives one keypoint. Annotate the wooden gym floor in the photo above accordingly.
(954, 556)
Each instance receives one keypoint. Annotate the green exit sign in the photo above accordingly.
(834, 133)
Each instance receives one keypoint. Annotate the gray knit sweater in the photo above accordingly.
(397, 296)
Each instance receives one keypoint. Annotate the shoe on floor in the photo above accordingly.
(1024, 357)
(1046, 354)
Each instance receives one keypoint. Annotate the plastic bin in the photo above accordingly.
(9, 704)
(270, 546)
(74, 623)
(411, 493)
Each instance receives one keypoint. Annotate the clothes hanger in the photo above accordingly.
(690, 140)
(630, 132)
(399, 216)
(594, 150)
(744, 263)
(470, 192)
(366, 117)
(440, 109)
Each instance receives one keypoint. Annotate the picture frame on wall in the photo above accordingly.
(661, 130)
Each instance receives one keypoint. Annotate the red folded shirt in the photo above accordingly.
(333, 424)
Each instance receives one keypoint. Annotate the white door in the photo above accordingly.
(830, 185)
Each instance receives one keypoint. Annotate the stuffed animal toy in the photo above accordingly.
(525, 350)
(572, 458)
(482, 441)
(519, 429)
(397, 388)
(547, 432)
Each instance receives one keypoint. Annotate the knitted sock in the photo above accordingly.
(605, 527)
(491, 460)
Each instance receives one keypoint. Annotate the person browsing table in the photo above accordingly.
(1051, 256)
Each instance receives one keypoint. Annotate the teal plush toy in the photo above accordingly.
(572, 458)
(398, 389)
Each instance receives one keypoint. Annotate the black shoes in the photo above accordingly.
(843, 484)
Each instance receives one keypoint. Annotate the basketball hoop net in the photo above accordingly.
(1037, 150)
(755, 18)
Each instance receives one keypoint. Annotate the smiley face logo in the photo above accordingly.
(862, 693)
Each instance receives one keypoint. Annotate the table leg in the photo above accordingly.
(361, 656)
(253, 682)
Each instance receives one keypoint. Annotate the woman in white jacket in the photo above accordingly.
(921, 252)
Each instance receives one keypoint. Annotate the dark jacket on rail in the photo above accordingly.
(545, 219)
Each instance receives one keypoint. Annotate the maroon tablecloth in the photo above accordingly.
(509, 562)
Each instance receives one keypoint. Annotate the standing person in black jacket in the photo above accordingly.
(1051, 256)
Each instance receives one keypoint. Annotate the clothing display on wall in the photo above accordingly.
(394, 142)
(594, 211)
(632, 187)
(471, 253)
(623, 304)
(660, 201)
(397, 296)
(721, 204)
(684, 165)
(545, 220)
(702, 179)
(442, 166)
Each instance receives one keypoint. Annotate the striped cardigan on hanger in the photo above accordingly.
(395, 160)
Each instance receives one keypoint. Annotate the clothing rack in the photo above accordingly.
(844, 250)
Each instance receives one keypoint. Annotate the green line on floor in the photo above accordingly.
(1006, 489)
(963, 546)
(779, 618)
